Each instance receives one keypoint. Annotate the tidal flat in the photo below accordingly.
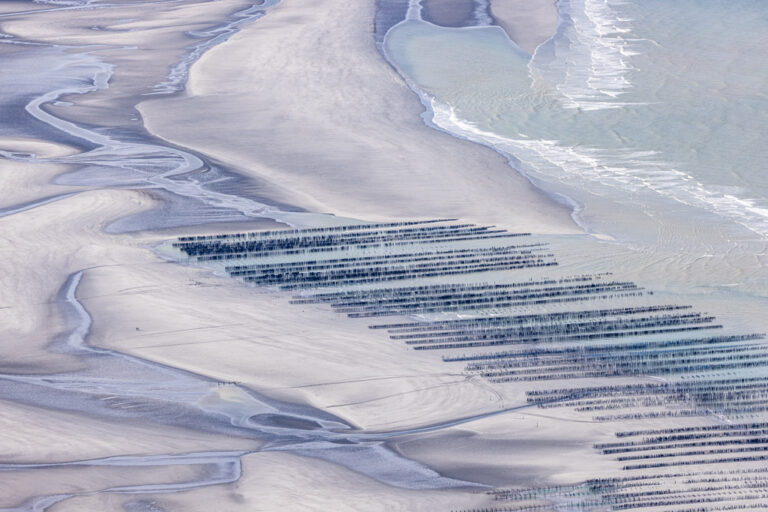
(386, 255)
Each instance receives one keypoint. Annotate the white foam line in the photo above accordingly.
(413, 13)
(621, 170)
(594, 71)
(432, 119)
(482, 18)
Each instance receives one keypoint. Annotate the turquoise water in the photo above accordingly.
(646, 115)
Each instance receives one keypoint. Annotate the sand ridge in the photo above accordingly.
(302, 100)
(337, 124)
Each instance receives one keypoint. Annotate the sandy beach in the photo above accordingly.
(345, 115)
(359, 129)
(164, 347)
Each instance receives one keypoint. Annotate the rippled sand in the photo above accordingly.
(359, 130)
(133, 379)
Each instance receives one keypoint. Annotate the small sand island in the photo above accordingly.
(434, 255)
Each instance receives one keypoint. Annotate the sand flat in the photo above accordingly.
(335, 123)
(234, 333)
(31, 435)
(161, 37)
(275, 480)
(48, 242)
(302, 100)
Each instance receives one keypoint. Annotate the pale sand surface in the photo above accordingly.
(12, 6)
(316, 111)
(31, 181)
(526, 449)
(40, 148)
(279, 481)
(301, 99)
(207, 324)
(67, 480)
(210, 325)
(200, 322)
(203, 323)
(141, 50)
(31, 435)
(528, 22)
(321, 117)
(47, 243)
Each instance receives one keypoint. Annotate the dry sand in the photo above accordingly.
(318, 112)
(528, 23)
(46, 243)
(302, 100)
(277, 481)
(28, 181)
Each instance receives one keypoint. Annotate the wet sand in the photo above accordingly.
(325, 126)
(338, 128)
(133, 381)
(448, 13)
(528, 23)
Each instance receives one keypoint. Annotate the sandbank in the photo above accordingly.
(318, 115)
(317, 111)
(528, 22)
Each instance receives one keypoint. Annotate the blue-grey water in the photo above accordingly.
(646, 115)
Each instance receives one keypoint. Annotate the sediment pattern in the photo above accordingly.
(493, 304)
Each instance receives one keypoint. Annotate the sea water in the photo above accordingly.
(647, 117)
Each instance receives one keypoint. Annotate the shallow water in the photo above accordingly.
(646, 116)
(37, 75)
